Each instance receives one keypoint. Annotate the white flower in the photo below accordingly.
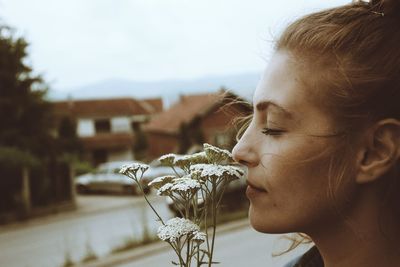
(182, 161)
(133, 168)
(205, 171)
(168, 159)
(180, 185)
(176, 228)
(217, 154)
(165, 189)
(199, 237)
(185, 184)
(158, 182)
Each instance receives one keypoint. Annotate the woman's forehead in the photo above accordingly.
(279, 86)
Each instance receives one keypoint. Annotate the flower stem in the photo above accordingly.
(148, 202)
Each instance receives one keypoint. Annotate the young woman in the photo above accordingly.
(323, 145)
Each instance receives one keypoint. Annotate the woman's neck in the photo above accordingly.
(360, 239)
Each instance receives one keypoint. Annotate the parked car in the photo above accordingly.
(107, 179)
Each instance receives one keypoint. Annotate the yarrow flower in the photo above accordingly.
(175, 228)
(131, 169)
(158, 182)
(205, 171)
(198, 178)
(168, 159)
(217, 154)
(178, 184)
(185, 184)
(199, 237)
(185, 161)
(165, 189)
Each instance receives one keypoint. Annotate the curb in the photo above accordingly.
(151, 249)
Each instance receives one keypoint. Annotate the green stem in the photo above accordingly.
(214, 218)
(177, 174)
(148, 202)
(177, 253)
(188, 252)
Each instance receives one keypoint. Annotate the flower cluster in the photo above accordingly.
(212, 171)
(183, 184)
(176, 228)
(131, 170)
(196, 192)
(217, 154)
(183, 161)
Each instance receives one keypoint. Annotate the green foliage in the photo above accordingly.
(25, 116)
(82, 167)
(17, 158)
(27, 140)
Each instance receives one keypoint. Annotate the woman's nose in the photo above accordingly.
(244, 153)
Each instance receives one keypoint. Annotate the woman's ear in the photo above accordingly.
(380, 151)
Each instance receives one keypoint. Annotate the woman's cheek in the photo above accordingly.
(296, 186)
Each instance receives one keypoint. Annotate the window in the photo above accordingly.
(102, 126)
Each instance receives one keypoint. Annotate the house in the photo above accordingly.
(193, 120)
(107, 127)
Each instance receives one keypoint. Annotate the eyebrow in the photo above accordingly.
(263, 105)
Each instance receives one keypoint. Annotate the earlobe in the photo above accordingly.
(380, 152)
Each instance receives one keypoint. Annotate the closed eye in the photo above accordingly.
(269, 131)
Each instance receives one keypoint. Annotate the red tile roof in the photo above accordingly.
(108, 107)
(184, 111)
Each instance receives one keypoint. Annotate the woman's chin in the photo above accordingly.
(264, 224)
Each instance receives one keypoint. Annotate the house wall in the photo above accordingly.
(160, 144)
(219, 128)
(113, 152)
(86, 126)
(120, 155)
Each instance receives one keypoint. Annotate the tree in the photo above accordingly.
(25, 120)
(25, 115)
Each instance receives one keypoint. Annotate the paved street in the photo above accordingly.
(243, 247)
(100, 224)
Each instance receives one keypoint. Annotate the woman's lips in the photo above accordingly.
(252, 190)
(254, 186)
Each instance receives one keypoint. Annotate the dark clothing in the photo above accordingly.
(311, 258)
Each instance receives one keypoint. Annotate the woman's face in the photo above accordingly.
(287, 175)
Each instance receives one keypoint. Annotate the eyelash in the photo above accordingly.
(273, 132)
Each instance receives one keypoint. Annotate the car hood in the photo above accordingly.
(84, 179)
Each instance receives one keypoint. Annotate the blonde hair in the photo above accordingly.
(354, 51)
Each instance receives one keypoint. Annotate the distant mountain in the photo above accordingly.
(169, 90)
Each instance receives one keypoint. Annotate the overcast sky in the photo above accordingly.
(76, 42)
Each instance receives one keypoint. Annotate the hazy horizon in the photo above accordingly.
(75, 43)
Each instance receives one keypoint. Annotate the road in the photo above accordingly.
(238, 248)
(100, 224)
